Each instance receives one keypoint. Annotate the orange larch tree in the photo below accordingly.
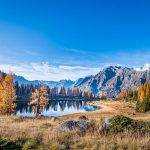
(39, 99)
(7, 95)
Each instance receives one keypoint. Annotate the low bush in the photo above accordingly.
(55, 146)
(30, 144)
(120, 123)
(83, 118)
(8, 145)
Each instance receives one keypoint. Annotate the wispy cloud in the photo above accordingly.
(79, 51)
(30, 52)
(43, 71)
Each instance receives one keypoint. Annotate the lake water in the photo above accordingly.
(57, 108)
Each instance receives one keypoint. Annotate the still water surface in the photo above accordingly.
(57, 108)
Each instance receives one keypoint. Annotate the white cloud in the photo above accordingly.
(144, 68)
(43, 71)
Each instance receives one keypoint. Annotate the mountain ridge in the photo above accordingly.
(110, 80)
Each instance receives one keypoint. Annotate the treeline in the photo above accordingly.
(25, 91)
(128, 95)
(9, 91)
(141, 96)
(38, 95)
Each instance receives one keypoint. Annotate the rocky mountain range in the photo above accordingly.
(110, 80)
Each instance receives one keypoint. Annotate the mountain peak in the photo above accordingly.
(112, 79)
(144, 68)
(115, 68)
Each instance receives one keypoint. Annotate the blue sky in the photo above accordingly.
(53, 40)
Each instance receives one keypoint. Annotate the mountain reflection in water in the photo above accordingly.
(56, 108)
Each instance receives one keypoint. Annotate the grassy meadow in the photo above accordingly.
(42, 134)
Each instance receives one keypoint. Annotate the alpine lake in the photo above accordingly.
(56, 107)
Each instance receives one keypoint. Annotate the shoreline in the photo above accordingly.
(108, 109)
(105, 111)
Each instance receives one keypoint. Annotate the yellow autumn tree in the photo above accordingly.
(7, 95)
(143, 101)
(147, 91)
(103, 96)
(122, 95)
(144, 91)
(39, 99)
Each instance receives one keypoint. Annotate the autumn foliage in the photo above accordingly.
(7, 94)
(143, 102)
(141, 95)
(127, 95)
(123, 94)
(103, 96)
(39, 99)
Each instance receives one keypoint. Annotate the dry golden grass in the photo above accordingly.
(15, 127)
(43, 131)
(109, 109)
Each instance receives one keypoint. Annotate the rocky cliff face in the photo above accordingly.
(113, 79)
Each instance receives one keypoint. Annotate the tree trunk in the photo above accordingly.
(38, 107)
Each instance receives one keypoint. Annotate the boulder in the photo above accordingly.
(105, 125)
(81, 125)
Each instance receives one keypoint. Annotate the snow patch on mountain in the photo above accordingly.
(144, 68)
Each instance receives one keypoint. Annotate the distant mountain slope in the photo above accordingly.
(65, 83)
(81, 81)
(113, 79)
(21, 80)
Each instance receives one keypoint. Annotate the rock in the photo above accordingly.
(132, 114)
(53, 118)
(105, 125)
(82, 125)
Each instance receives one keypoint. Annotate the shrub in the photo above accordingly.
(119, 123)
(8, 145)
(83, 118)
(142, 126)
(55, 146)
(30, 144)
